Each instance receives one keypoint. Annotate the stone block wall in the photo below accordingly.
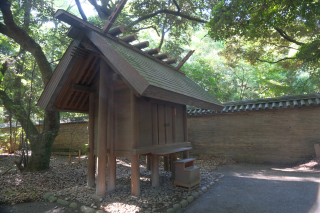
(74, 136)
(276, 136)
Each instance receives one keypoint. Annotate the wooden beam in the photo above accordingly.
(149, 163)
(91, 48)
(112, 163)
(141, 45)
(94, 73)
(152, 51)
(185, 154)
(166, 163)
(173, 158)
(174, 125)
(162, 56)
(150, 149)
(116, 31)
(129, 38)
(184, 59)
(134, 122)
(155, 171)
(135, 175)
(116, 77)
(74, 20)
(170, 60)
(129, 74)
(185, 124)
(113, 16)
(79, 99)
(84, 100)
(89, 70)
(155, 138)
(80, 88)
(102, 131)
(91, 160)
(73, 32)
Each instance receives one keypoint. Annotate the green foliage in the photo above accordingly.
(268, 30)
(238, 81)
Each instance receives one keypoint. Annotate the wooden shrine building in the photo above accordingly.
(135, 99)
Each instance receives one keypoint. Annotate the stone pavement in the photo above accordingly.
(260, 188)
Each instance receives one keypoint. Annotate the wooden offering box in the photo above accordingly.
(187, 174)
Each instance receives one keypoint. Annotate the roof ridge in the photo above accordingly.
(275, 99)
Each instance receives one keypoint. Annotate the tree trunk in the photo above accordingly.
(41, 146)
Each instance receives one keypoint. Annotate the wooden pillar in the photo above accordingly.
(166, 163)
(135, 175)
(173, 159)
(135, 163)
(91, 160)
(185, 154)
(112, 163)
(155, 171)
(102, 133)
(149, 162)
(185, 124)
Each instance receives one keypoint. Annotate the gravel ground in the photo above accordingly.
(68, 182)
(263, 189)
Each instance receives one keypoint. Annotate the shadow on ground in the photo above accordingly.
(263, 189)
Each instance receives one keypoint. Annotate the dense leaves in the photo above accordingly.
(273, 31)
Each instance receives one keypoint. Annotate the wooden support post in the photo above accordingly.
(155, 171)
(149, 162)
(91, 158)
(135, 163)
(112, 163)
(166, 163)
(185, 124)
(102, 131)
(79, 156)
(185, 154)
(135, 175)
(173, 159)
(69, 161)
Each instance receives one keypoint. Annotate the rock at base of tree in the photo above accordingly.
(86, 209)
(52, 199)
(47, 195)
(73, 205)
(63, 202)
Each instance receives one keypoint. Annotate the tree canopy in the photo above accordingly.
(284, 32)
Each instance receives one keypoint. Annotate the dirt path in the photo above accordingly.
(260, 188)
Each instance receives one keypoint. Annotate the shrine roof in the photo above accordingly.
(145, 74)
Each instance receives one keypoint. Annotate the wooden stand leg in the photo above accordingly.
(173, 159)
(186, 154)
(149, 162)
(135, 175)
(155, 171)
(112, 164)
(166, 163)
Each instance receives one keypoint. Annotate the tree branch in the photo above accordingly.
(287, 37)
(165, 11)
(144, 28)
(174, 1)
(274, 62)
(22, 38)
(163, 34)
(83, 15)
